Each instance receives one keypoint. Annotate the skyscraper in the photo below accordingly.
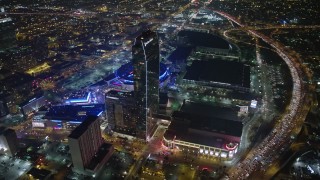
(8, 141)
(87, 148)
(122, 112)
(146, 63)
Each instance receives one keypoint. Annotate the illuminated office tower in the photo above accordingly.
(122, 112)
(146, 62)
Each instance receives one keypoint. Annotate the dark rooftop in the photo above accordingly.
(181, 53)
(6, 131)
(230, 72)
(163, 98)
(4, 73)
(204, 39)
(145, 36)
(74, 112)
(195, 117)
(2, 130)
(79, 130)
(199, 109)
(16, 79)
(210, 124)
(9, 132)
(63, 65)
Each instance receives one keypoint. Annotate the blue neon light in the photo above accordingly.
(100, 113)
(81, 100)
(163, 75)
(75, 122)
(56, 121)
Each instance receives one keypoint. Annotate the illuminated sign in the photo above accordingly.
(38, 124)
(80, 100)
(223, 154)
(253, 104)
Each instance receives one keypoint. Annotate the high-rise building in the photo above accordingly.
(87, 148)
(8, 141)
(146, 65)
(122, 112)
(7, 32)
(3, 107)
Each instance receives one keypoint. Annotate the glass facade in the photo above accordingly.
(146, 65)
(122, 112)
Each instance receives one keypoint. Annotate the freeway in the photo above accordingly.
(287, 127)
(282, 27)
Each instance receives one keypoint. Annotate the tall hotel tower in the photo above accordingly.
(87, 148)
(146, 60)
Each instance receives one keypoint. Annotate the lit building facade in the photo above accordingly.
(146, 65)
(86, 145)
(206, 130)
(122, 112)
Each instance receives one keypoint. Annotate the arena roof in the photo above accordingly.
(206, 110)
(221, 71)
(198, 123)
(223, 120)
(204, 39)
(79, 130)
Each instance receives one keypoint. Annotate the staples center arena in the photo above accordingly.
(124, 76)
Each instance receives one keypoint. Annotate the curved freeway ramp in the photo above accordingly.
(287, 127)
